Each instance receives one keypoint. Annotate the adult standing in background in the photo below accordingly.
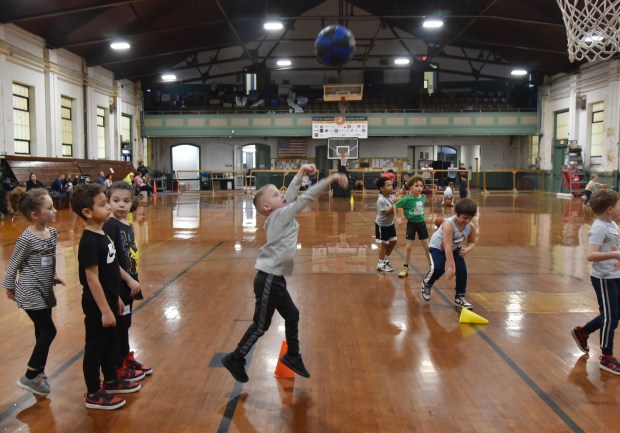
(463, 175)
(452, 174)
(33, 182)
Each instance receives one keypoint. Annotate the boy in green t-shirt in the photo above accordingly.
(413, 208)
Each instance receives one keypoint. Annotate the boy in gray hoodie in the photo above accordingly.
(275, 261)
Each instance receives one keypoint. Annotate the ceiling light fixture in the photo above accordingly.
(518, 72)
(432, 23)
(120, 45)
(401, 61)
(168, 77)
(284, 62)
(273, 25)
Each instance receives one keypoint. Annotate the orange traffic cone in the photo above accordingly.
(154, 187)
(282, 371)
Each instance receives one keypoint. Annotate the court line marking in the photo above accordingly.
(18, 404)
(515, 367)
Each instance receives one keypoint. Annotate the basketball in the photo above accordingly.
(334, 45)
(438, 221)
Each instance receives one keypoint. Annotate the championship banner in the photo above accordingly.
(339, 126)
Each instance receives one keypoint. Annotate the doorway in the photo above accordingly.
(186, 164)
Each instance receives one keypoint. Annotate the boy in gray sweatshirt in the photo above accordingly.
(275, 261)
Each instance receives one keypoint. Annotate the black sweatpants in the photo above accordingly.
(271, 294)
(608, 297)
(99, 349)
(44, 333)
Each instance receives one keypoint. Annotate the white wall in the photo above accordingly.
(51, 74)
(597, 83)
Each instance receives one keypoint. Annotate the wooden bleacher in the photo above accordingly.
(47, 169)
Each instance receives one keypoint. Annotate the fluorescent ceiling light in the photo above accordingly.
(168, 77)
(273, 25)
(432, 23)
(284, 62)
(120, 45)
(401, 61)
(518, 72)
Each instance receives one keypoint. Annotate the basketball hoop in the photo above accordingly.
(343, 157)
(592, 28)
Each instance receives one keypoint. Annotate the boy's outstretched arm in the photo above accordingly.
(293, 188)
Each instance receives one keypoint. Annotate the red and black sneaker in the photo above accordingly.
(118, 386)
(610, 364)
(130, 362)
(129, 374)
(102, 400)
(581, 338)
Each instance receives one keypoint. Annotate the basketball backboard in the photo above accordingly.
(342, 92)
(342, 149)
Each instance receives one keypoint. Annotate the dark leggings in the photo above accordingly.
(44, 332)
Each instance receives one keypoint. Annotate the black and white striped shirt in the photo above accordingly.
(35, 261)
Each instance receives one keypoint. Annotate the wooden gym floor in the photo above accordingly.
(382, 360)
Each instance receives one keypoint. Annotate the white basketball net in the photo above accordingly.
(343, 157)
(592, 28)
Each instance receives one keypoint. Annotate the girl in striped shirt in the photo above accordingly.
(30, 280)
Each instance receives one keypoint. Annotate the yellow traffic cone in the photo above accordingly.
(468, 316)
(352, 202)
(282, 370)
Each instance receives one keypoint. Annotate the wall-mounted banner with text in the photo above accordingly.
(339, 126)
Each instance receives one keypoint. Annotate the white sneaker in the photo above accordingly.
(425, 291)
(385, 267)
(460, 301)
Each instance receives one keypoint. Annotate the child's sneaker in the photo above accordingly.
(131, 362)
(37, 386)
(403, 272)
(384, 267)
(610, 364)
(129, 374)
(295, 363)
(425, 291)
(118, 386)
(460, 301)
(236, 367)
(581, 338)
(102, 400)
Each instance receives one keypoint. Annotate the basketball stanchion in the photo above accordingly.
(468, 316)
(282, 371)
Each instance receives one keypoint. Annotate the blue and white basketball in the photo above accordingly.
(334, 45)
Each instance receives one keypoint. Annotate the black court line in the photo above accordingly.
(17, 405)
(235, 395)
(515, 367)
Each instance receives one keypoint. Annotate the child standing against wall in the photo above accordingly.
(100, 277)
(34, 259)
(118, 228)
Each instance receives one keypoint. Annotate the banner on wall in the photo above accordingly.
(339, 126)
